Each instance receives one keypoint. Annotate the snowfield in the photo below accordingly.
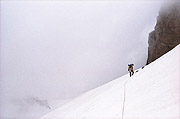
(152, 93)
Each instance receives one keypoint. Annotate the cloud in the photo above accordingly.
(61, 49)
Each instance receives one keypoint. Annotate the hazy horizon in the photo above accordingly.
(70, 47)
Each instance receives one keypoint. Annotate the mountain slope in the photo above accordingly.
(166, 34)
(152, 93)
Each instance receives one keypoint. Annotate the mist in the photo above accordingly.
(58, 50)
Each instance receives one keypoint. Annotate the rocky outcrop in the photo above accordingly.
(167, 32)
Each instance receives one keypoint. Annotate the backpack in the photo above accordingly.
(130, 65)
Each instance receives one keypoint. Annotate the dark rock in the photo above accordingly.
(167, 32)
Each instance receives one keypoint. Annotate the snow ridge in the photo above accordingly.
(151, 93)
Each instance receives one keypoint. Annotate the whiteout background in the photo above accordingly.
(58, 50)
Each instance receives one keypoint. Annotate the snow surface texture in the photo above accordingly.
(152, 93)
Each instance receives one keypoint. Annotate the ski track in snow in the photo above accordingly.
(124, 100)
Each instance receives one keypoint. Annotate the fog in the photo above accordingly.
(58, 50)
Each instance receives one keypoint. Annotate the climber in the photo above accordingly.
(130, 69)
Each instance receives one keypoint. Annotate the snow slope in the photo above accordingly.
(152, 93)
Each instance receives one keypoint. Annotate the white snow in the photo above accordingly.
(152, 93)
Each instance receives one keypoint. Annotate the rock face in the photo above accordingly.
(167, 31)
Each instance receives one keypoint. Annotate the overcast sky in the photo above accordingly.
(61, 49)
